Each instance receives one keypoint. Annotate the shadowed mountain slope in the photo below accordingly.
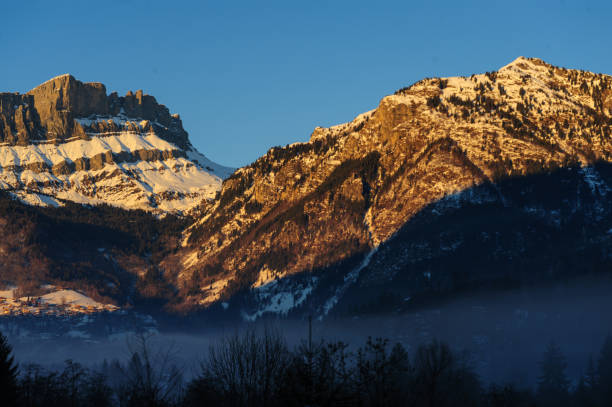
(314, 206)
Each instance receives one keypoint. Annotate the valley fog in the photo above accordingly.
(501, 334)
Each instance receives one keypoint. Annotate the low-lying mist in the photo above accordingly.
(503, 334)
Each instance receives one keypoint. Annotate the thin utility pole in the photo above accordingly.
(310, 355)
(310, 333)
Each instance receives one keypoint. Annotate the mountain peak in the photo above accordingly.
(518, 62)
(354, 186)
(72, 132)
(57, 79)
(65, 81)
(527, 64)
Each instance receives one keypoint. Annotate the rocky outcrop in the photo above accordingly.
(62, 134)
(48, 112)
(19, 121)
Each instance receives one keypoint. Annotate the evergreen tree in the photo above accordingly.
(553, 385)
(583, 394)
(507, 396)
(441, 379)
(591, 377)
(8, 373)
(381, 375)
(604, 371)
(319, 375)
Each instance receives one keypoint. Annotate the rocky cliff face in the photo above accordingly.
(325, 210)
(68, 140)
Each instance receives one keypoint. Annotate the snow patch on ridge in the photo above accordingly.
(171, 184)
(512, 65)
(52, 79)
(51, 154)
(218, 170)
(174, 184)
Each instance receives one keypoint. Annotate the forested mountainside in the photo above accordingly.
(449, 185)
(108, 253)
(97, 189)
(70, 140)
(377, 200)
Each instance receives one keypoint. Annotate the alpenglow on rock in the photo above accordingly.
(69, 140)
(372, 201)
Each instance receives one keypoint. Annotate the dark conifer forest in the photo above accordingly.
(259, 368)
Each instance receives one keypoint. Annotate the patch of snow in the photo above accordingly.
(182, 182)
(266, 276)
(594, 181)
(213, 291)
(121, 120)
(36, 199)
(360, 118)
(218, 170)
(78, 334)
(280, 297)
(9, 292)
(175, 184)
(190, 259)
(70, 297)
(52, 79)
(349, 279)
(71, 151)
(553, 216)
(450, 247)
(513, 64)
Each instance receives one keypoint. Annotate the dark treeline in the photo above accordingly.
(252, 369)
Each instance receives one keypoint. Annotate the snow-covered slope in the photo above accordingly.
(71, 297)
(70, 141)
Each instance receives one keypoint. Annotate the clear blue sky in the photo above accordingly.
(246, 76)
